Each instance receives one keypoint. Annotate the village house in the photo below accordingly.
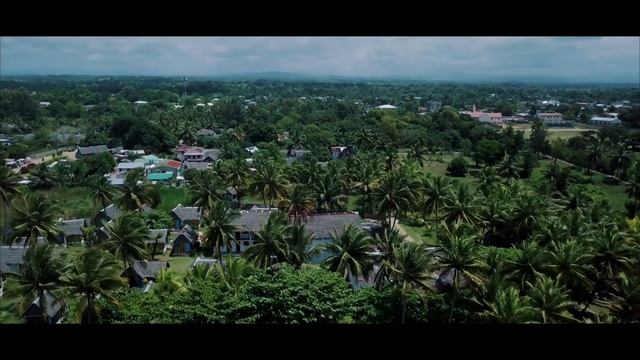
(5, 140)
(170, 167)
(112, 212)
(185, 215)
(125, 167)
(158, 240)
(143, 271)
(185, 243)
(341, 152)
(72, 231)
(53, 312)
(90, 150)
(485, 117)
(207, 133)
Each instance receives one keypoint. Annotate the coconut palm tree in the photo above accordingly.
(328, 194)
(551, 229)
(101, 191)
(437, 194)
(492, 216)
(509, 308)
(234, 273)
(417, 153)
(458, 251)
(365, 139)
(128, 234)
(349, 253)
(34, 216)
(269, 246)
(41, 177)
(40, 274)
(550, 300)
(569, 262)
(611, 253)
(620, 159)
(633, 185)
(297, 138)
(205, 191)
(386, 243)
(367, 179)
(132, 197)
(526, 264)
(297, 204)
(595, 150)
(626, 303)
(8, 189)
(527, 212)
(488, 179)
(168, 283)
(509, 169)
(236, 173)
(393, 196)
(462, 207)
(218, 228)
(409, 271)
(300, 246)
(93, 273)
(269, 182)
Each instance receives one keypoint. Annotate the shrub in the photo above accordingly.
(457, 167)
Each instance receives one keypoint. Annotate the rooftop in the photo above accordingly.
(186, 212)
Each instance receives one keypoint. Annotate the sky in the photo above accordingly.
(581, 59)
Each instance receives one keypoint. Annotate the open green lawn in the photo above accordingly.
(74, 202)
(418, 233)
(172, 196)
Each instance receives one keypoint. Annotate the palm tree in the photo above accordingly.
(620, 159)
(509, 308)
(128, 233)
(550, 299)
(8, 189)
(39, 275)
(133, 197)
(299, 246)
(219, 229)
(298, 204)
(458, 251)
(569, 262)
(41, 177)
(270, 246)
(626, 300)
(392, 196)
(509, 170)
(527, 263)
(365, 139)
(633, 185)
(101, 191)
(34, 216)
(386, 243)
(236, 174)
(269, 182)
(93, 273)
(611, 252)
(492, 216)
(349, 253)
(328, 194)
(437, 194)
(297, 138)
(168, 283)
(528, 210)
(417, 153)
(551, 229)
(204, 190)
(594, 154)
(488, 180)
(234, 273)
(462, 207)
(409, 270)
(187, 132)
(367, 179)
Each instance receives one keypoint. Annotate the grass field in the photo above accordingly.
(172, 196)
(418, 233)
(74, 202)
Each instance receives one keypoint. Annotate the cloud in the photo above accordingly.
(441, 58)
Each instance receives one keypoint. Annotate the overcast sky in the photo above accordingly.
(605, 59)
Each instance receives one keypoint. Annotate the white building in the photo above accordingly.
(550, 118)
(605, 121)
(386, 107)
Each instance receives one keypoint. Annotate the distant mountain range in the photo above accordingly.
(289, 76)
